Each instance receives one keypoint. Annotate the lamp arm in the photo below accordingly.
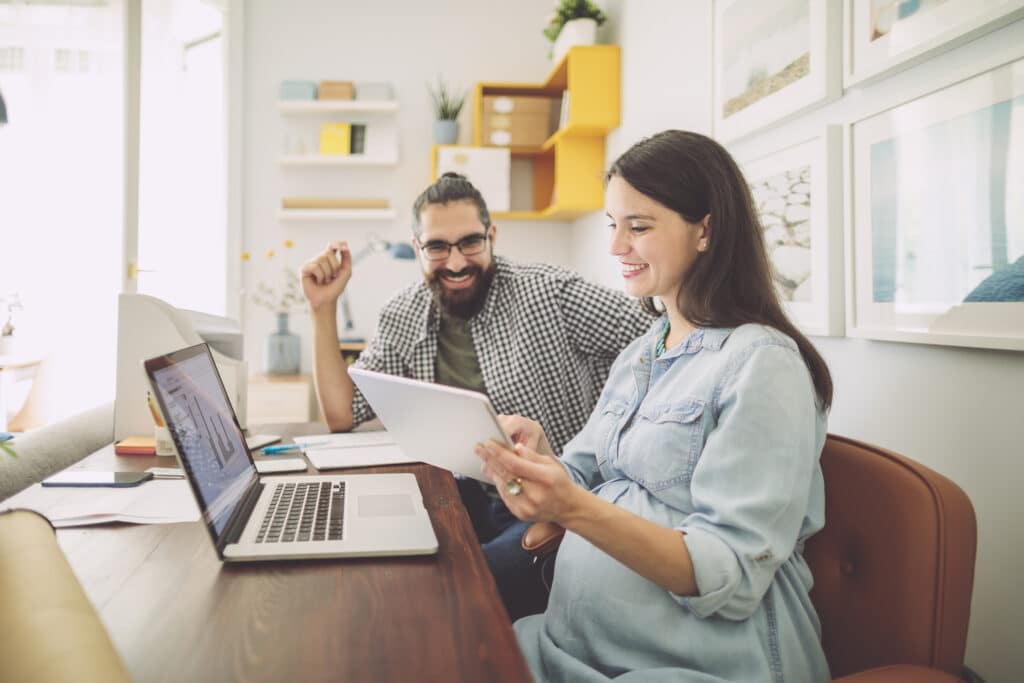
(346, 312)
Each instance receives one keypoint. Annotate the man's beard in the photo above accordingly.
(462, 303)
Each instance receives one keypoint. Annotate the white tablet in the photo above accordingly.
(432, 423)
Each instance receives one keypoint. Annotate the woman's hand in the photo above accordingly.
(325, 276)
(545, 491)
(527, 432)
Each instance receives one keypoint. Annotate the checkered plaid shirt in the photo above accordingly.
(545, 339)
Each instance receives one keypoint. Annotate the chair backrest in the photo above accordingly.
(894, 566)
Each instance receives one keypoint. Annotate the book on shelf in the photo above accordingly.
(333, 203)
(358, 139)
(335, 90)
(335, 139)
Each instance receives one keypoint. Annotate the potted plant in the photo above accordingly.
(6, 447)
(13, 303)
(283, 350)
(447, 105)
(574, 22)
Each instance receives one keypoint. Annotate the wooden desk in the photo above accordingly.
(175, 613)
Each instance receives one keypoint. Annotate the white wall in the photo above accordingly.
(959, 411)
(666, 75)
(407, 43)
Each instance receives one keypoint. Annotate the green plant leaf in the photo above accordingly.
(447, 103)
(567, 10)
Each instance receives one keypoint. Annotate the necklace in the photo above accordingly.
(660, 348)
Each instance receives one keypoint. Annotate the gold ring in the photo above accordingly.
(514, 486)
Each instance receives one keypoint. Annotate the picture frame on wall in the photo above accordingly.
(771, 61)
(798, 195)
(886, 36)
(935, 224)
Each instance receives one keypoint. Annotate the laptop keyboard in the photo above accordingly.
(311, 511)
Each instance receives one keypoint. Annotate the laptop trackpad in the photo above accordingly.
(385, 505)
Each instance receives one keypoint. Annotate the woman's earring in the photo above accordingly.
(702, 245)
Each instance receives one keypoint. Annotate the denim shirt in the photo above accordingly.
(720, 439)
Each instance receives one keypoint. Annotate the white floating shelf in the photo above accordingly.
(335, 160)
(329, 106)
(336, 214)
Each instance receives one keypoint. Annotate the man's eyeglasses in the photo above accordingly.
(470, 245)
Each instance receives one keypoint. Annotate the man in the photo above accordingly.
(537, 339)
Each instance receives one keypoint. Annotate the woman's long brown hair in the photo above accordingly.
(731, 283)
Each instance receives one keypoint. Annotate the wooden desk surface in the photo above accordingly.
(176, 613)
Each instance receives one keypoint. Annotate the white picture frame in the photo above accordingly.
(879, 42)
(798, 194)
(772, 61)
(932, 198)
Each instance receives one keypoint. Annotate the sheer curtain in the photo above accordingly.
(182, 166)
(61, 180)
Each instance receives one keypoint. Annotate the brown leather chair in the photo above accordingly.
(893, 568)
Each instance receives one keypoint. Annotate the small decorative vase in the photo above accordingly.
(574, 32)
(446, 132)
(283, 353)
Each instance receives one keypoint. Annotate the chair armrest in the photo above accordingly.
(542, 539)
(899, 674)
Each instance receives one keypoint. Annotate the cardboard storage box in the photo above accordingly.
(335, 90)
(373, 91)
(489, 170)
(297, 90)
(517, 121)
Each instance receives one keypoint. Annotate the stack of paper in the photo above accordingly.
(154, 502)
(353, 449)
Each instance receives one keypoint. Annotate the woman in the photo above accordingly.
(690, 492)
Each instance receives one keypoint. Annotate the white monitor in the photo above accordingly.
(149, 327)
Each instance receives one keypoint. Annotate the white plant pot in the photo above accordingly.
(575, 32)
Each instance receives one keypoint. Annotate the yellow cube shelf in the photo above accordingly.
(568, 168)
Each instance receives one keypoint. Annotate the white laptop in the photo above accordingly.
(437, 424)
(277, 518)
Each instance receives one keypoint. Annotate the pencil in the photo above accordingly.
(154, 410)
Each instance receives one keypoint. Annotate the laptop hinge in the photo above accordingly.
(236, 525)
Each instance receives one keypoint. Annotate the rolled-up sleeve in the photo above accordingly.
(752, 482)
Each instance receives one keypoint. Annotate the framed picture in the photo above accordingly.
(798, 195)
(883, 36)
(936, 217)
(773, 60)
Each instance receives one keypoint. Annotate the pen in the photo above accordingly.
(285, 447)
(281, 448)
(153, 409)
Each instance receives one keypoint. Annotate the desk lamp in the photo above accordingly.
(397, 250)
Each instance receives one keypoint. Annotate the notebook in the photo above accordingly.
(276, 518)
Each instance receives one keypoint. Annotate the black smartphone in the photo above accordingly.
(97, 478)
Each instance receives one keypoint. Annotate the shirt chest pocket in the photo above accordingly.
(665, 444)
(611, 415)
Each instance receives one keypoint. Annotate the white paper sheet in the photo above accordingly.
(324, 458)
(345, 440)
(153, 502)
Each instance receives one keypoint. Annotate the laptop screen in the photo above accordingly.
(202, 422)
